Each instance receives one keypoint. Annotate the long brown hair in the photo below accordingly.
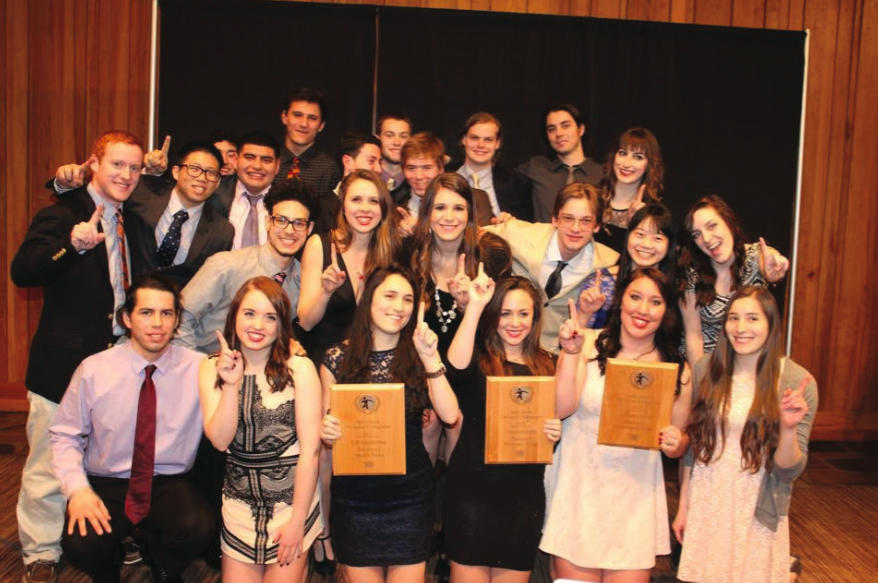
(277, 373)
(407, 368)
(384, 242)
(422, 258)
(760, 435)
(493, 360)
(636, 140)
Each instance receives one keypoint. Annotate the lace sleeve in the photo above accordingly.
(332, 358)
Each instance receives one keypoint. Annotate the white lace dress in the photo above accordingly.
(724, 543)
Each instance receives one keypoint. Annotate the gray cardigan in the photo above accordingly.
(777, 485)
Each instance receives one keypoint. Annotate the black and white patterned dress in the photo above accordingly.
(260, 475)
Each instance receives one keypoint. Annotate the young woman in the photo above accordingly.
(649, 242)
(382, 525)
(262, 405)
(634, 173)
(493, 514)
(716, 262)
(749, 436)
(606, 515)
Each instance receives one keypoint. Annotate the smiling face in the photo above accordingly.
(256, 323)
(419, 172)
(576, 223)
(286, 242)
(747, 326)
(116, 174)
(629, 165)
(362, 208)
(303, 121)
(392, 305)
(516, 319)
(642, 308)
(646, 245)
(368, 158)
(394, 134)
(230, 157)
(564, 135)
(257, 167)
(449, 215)
(194, 191)
(480, 144)
(152, 322)
(712, 235)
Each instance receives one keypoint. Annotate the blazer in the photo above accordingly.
(78, 304)
(509, 197)
(403, 194)
(148, 202)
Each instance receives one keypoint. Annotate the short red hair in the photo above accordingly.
(114, 137)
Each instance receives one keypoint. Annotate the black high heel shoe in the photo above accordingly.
(325, 567)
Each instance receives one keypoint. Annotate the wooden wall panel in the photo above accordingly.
(73, 68)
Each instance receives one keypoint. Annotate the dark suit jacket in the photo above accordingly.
(212, 235)
(484, 214)
(508, 197)
(78, 303)
(221, 200)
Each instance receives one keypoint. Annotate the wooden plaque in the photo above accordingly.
(517, 408)
(372, 429)
(638, 397)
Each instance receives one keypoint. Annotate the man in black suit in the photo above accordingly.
(76, 251)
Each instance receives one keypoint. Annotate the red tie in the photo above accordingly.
(143, 460)
(295, 170)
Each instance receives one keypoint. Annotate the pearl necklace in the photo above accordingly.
(445, 317)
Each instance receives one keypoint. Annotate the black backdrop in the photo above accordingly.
(725, 103)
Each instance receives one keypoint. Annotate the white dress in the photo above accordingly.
(724, 543)
(605, 505)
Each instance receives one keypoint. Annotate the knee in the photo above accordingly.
(85, 551)
(195, 527)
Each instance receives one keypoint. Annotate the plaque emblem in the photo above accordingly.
(521, 394)
(367, 403)
(642, 379)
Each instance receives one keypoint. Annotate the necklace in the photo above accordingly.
(445, 317)
(650, 351)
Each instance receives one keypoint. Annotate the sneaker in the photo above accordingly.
(132, 551)
(40, 572)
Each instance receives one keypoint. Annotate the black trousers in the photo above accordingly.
(179, 527)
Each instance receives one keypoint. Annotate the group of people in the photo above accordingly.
(197, 315)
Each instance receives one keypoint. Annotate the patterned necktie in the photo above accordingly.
(553, 284)
(294, 169)
(123, 252)
(280, 277)
(143, 459)
(251, 225)
(171, 243)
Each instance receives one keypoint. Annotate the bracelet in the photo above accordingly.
(437, 374)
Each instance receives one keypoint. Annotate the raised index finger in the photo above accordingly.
(166, 147)
(222, 340)
(333, 255)
(571, 306)
(461, 263)
(421, 309)
(96, 216)
(762, 247)
(91, 160)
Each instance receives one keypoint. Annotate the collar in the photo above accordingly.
(286, 155)
(240, 189)
(268, 265)
(553, 252)
(163, 363)
(109, 206)
(176, 204)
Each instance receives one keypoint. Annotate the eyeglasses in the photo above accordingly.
(281, 223)
(570, 221)
(196, 171)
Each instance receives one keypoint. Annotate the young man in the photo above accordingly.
(540, 178)
(228, 147)
(207, 297)
(557, 257)
(123, 439)
(358, 151)
(482, 139)
(175, 231)
(76, 251)
(394, 130)
(304, 117)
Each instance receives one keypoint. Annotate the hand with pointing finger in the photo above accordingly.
(426, 342)
(156, 162)
(229, 364)
(637, 203)
(406, 222)
(332, 277)
(459, 285)
(774, 265)
(570, 335)
(481, 289)
(86, 235)
(793, 406)
(72, 176)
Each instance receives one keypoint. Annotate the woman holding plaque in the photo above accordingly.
(382, 525)
(262, 406)
(716, 262)
(493, 514)
(649, 242)
(749, 436)
(606, 512)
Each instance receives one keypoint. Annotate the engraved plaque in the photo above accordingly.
(372, 429)
(517, 408)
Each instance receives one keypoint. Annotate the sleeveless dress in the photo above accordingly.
(384, 520)
(492, 514)
(260, 477)
(605, 505)
(724, 541)
(339, 314)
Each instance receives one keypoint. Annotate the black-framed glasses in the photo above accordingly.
(281, 223)
(196, 171)
(569, 221)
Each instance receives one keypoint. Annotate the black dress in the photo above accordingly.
(339, 314)
(492, 514)
(384, 520)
